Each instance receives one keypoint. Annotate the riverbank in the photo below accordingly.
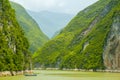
(14, 73)
(82, 70)
(8, 73)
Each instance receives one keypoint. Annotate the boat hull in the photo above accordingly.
(30, 74)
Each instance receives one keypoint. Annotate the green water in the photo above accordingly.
(67, 75)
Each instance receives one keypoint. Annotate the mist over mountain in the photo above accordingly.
(51, 22)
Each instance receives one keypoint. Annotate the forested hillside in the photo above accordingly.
(89, 41)
(32, 31)
(14, 53)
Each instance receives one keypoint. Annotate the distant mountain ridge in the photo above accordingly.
(51, 22)
(32, 30)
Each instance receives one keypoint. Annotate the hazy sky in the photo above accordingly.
(66, 6)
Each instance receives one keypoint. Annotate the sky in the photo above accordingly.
(63, 6)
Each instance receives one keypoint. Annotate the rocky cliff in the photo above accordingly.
(112, 48)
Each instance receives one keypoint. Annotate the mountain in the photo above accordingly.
(14, 53)
(90, 41)
(51, 22)
(32, 31)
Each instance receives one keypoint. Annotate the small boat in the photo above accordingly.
(30, 74)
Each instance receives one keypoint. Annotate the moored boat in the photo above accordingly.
(30, 74)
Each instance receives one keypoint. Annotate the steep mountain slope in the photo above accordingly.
(14, 54)
(51, 22)
(32, 31)
(89, 41)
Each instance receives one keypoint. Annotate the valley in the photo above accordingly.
(83, 46)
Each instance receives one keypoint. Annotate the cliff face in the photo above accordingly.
(112, 48)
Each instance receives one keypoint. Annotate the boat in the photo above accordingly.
(30, 74)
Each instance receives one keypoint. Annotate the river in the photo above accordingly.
(66, 75)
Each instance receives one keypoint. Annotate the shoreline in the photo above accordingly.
(8, 73)
(81, 70)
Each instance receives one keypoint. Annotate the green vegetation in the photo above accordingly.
(80, 44)
(14, 53)
(32, 31)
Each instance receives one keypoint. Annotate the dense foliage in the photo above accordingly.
(14, 54)
(80, 45)
(32, 31)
